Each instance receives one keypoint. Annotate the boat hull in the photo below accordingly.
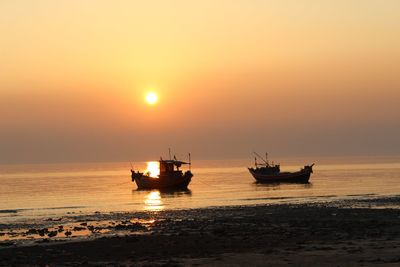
(302, 176)
(171, 181)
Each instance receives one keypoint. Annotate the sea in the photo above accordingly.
(40, 191)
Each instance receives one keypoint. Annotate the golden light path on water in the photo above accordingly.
(153, 201)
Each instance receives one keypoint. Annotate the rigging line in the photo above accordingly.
(209, 184)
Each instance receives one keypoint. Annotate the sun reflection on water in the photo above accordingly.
(153, 168)
(153, 201)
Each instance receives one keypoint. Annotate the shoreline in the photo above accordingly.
(333, 233)
(112, 218)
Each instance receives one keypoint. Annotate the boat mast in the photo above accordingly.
(265, 161)
(190, 163)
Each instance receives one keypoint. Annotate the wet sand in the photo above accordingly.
(341, 233)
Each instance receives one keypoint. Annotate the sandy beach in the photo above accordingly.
(358, 232)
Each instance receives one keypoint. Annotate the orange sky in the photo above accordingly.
(290, 77)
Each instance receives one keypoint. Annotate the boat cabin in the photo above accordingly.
(169, 166)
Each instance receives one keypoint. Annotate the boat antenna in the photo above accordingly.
(266, 157)
(255, 153)
(131, 165)
(169, 152)
(255, 161)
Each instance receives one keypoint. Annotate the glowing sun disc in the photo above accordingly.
(151, 98)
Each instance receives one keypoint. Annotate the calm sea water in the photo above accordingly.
(35, 191)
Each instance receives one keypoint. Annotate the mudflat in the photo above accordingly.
(343, 233)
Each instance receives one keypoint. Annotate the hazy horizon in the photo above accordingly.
(232, 77)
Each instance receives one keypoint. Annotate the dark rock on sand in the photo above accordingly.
(68, 233)
(78, 228)
(130, 226)
(43, 232)
(52, 233)
(32, 232)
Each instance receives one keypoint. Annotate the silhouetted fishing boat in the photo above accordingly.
(266, 172)
(170, 177)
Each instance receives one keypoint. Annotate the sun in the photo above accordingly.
(151, 98)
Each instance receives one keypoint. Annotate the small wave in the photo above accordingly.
(267, 198)
(323, 196)
(362, 195)
(11, 211)
(61, 208)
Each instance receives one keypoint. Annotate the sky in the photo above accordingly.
(294, 78)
